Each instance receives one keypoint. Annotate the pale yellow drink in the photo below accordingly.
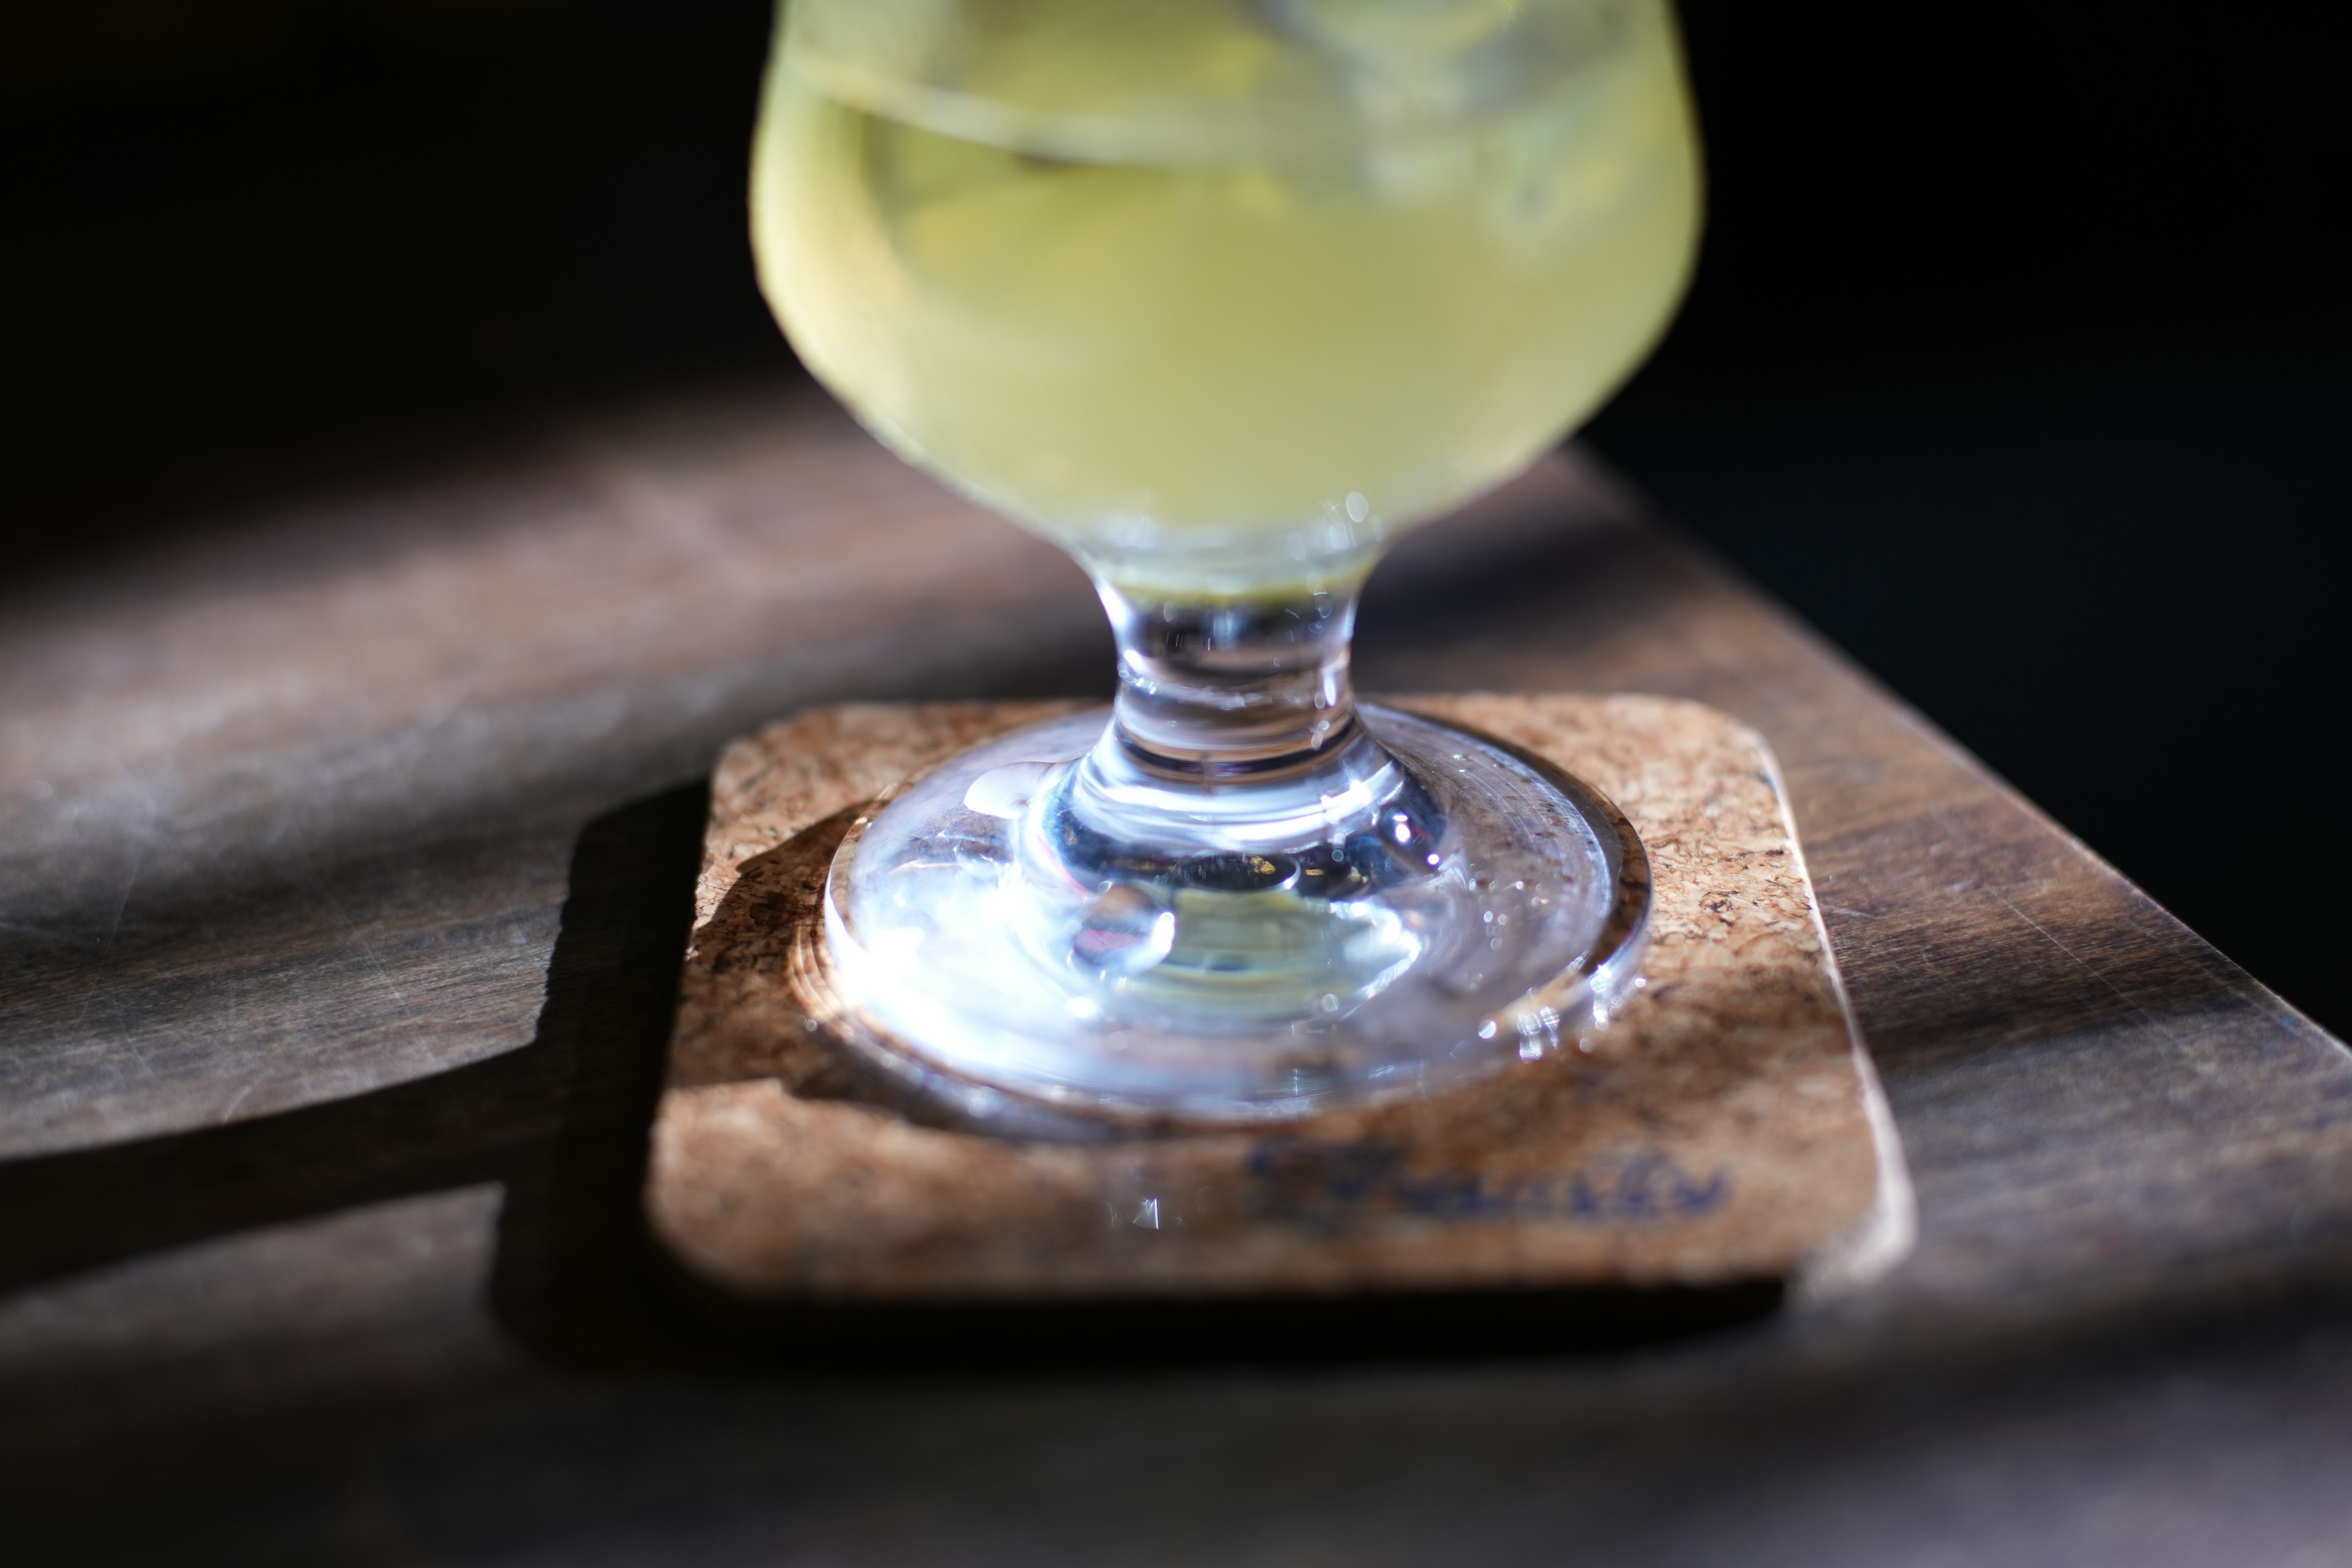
(1221, 291)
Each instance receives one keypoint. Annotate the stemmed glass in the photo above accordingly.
(1219, 295)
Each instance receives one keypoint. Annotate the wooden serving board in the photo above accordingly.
(1726, 1128)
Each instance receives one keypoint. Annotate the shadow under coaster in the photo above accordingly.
(1723, 1139)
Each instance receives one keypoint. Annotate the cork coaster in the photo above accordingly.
(1725, 1128)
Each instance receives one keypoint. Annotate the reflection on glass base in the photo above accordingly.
(1424, 905)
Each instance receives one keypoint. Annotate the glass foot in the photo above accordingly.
(1420, 905)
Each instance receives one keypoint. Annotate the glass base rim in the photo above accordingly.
(1564, 1011)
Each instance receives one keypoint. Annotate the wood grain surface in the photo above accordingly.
(347, 852)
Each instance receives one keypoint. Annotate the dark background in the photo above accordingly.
(2016, 360)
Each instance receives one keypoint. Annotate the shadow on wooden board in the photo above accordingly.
(563, 1123)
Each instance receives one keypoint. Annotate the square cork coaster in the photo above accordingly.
(1726, 1128)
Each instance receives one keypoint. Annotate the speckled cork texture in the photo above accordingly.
(1726, 1128)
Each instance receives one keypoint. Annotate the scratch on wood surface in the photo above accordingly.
(138, 864)
(130, 1039)
(2078, 961)
(367, 950)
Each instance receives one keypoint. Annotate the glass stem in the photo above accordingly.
(1215, 690)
